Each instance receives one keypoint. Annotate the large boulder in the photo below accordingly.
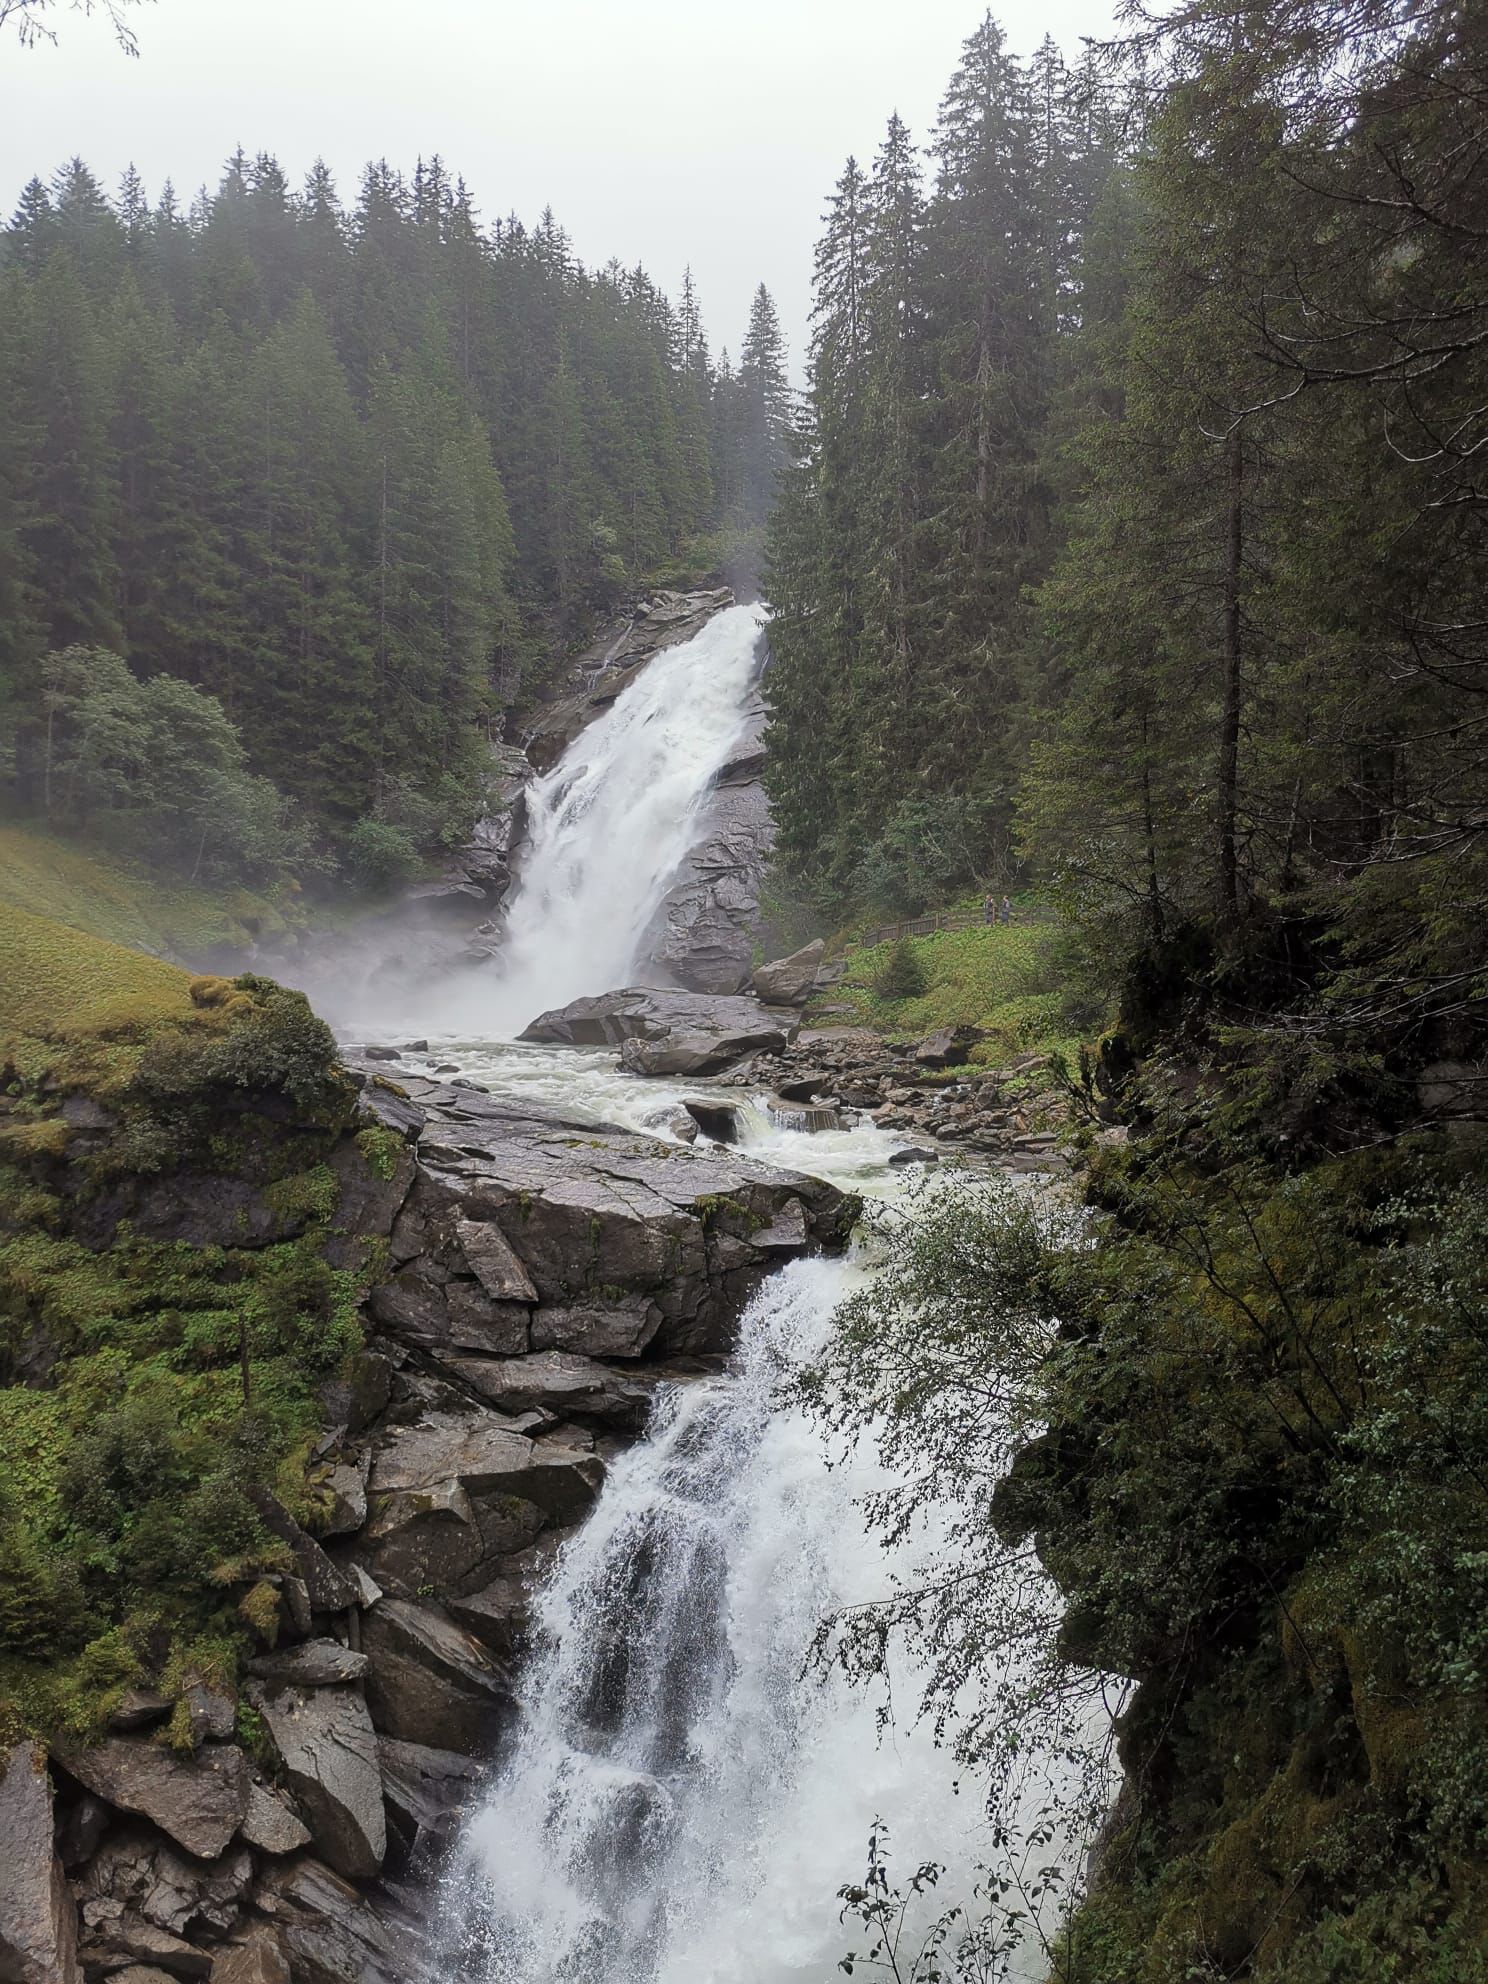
(631, 1244)
(38, 1918)
(455, 1493)
(558, 1383)
(666, 1032)
(332, 1934)
(200, 1801)
(788, 981)
(480, 1454)
(326, 1748)
(431, 1682)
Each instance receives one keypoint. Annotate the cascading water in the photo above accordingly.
(610, 825)
(683, 1801)
(683, 1794)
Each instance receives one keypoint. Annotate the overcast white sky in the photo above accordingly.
(660, 131)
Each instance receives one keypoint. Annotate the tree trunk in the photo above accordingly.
(1229, 723)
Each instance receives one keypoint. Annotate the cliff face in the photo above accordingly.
(320, 1365)
(710, 920)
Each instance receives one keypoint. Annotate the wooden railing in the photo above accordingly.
(920, 926)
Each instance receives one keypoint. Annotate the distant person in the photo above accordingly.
(1005, 914)
(989, 909)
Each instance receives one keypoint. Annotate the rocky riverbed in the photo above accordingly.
(924, 1092)
(538, 1277)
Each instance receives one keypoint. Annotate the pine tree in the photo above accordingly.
(32, 233)
(765, 410)
(65, 398)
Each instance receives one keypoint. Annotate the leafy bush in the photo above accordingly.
(1247, 1429)
(157, 768)
(380, 855)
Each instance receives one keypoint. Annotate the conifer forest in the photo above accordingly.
(744, 1068)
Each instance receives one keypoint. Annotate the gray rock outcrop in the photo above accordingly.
(38, 1917)
(431, 1682)
(325, 1745)
(788, 981)
(200, 1801)
(666, 1032)
(710, 919)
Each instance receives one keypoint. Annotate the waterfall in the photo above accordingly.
(610, 825)
(684, 1796)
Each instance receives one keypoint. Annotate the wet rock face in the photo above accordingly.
(540, 1279)
(710, 919)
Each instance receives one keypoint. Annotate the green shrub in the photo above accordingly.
(901, 976)
(380, 855)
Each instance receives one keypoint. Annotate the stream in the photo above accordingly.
(684, 1793)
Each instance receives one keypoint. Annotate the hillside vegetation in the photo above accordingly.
(1134, 548)
(169, 1308)
(84, 887)
(1010, 982)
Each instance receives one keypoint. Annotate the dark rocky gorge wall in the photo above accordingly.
(536, 1279)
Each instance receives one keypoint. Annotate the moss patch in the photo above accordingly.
(150, 1389)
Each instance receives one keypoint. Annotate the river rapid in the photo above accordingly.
(685, 1792)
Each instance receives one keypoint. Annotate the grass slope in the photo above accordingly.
(1007, 979)
(85, 888)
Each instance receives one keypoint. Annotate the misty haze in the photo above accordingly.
(743, 1015)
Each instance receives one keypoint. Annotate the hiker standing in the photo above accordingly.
(1007, 910)
(989, 908)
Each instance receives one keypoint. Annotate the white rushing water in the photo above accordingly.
(684, 1793)
(610, 825)
(684, 1801)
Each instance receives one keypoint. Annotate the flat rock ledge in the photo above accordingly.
(543, 1276)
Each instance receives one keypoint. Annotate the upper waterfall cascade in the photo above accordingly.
(612, 822)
